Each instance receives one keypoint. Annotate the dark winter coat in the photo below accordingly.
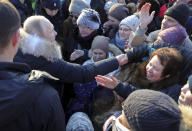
(25, 10)
(46, 56)
(28, 102)
(67, 30)
(154, 25)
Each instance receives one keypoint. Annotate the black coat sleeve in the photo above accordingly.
(69, 72)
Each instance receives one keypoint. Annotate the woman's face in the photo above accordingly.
(98, 55)
(124, 32)
(84, 30)
(154, 69)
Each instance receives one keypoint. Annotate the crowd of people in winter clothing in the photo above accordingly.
(96, 65)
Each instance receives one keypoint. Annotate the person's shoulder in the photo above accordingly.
(45, 82)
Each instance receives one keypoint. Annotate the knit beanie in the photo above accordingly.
(179, 12)
(119, 11)
(100, 42)
(131, 21)
(51, 4)
(89, 18)
(79, 121)
(174, 35)
(77, 6)
(148, 110)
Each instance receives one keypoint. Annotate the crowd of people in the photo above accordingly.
(103, 65)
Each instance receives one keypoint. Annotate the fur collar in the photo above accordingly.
(139, 79)
(36, 46)
(186, 120)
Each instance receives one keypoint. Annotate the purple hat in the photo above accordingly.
(174, 35)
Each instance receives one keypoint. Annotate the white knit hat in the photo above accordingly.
(131, 21)
(89, 18)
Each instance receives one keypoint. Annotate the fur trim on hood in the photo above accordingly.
(112, 48)
(186, 121)
(34, 45)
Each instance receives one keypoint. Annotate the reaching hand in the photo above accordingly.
(110, 83)
(122, 59)
(108, 122)
(144, 16)
(76, 54)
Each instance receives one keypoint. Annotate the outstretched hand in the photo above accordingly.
(110, 83)
(76, 54)
(122, 59)
(108, 122)
(144, 16)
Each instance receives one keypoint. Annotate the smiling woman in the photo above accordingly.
(158, 73)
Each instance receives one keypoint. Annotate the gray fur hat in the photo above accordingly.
(77, 6)
(89, 18)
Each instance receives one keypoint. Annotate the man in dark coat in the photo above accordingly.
(27, 101)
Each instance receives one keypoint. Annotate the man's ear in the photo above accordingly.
(15, 38)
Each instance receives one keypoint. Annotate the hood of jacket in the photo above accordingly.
(19, 89)
(36, 46)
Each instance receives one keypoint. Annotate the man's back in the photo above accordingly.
(27, 101)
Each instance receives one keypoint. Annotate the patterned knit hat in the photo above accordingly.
(131, 21)
(148, 110)
(174, 35)
(119, 11)
(179, 12)
(89, 18)
(76, 6)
